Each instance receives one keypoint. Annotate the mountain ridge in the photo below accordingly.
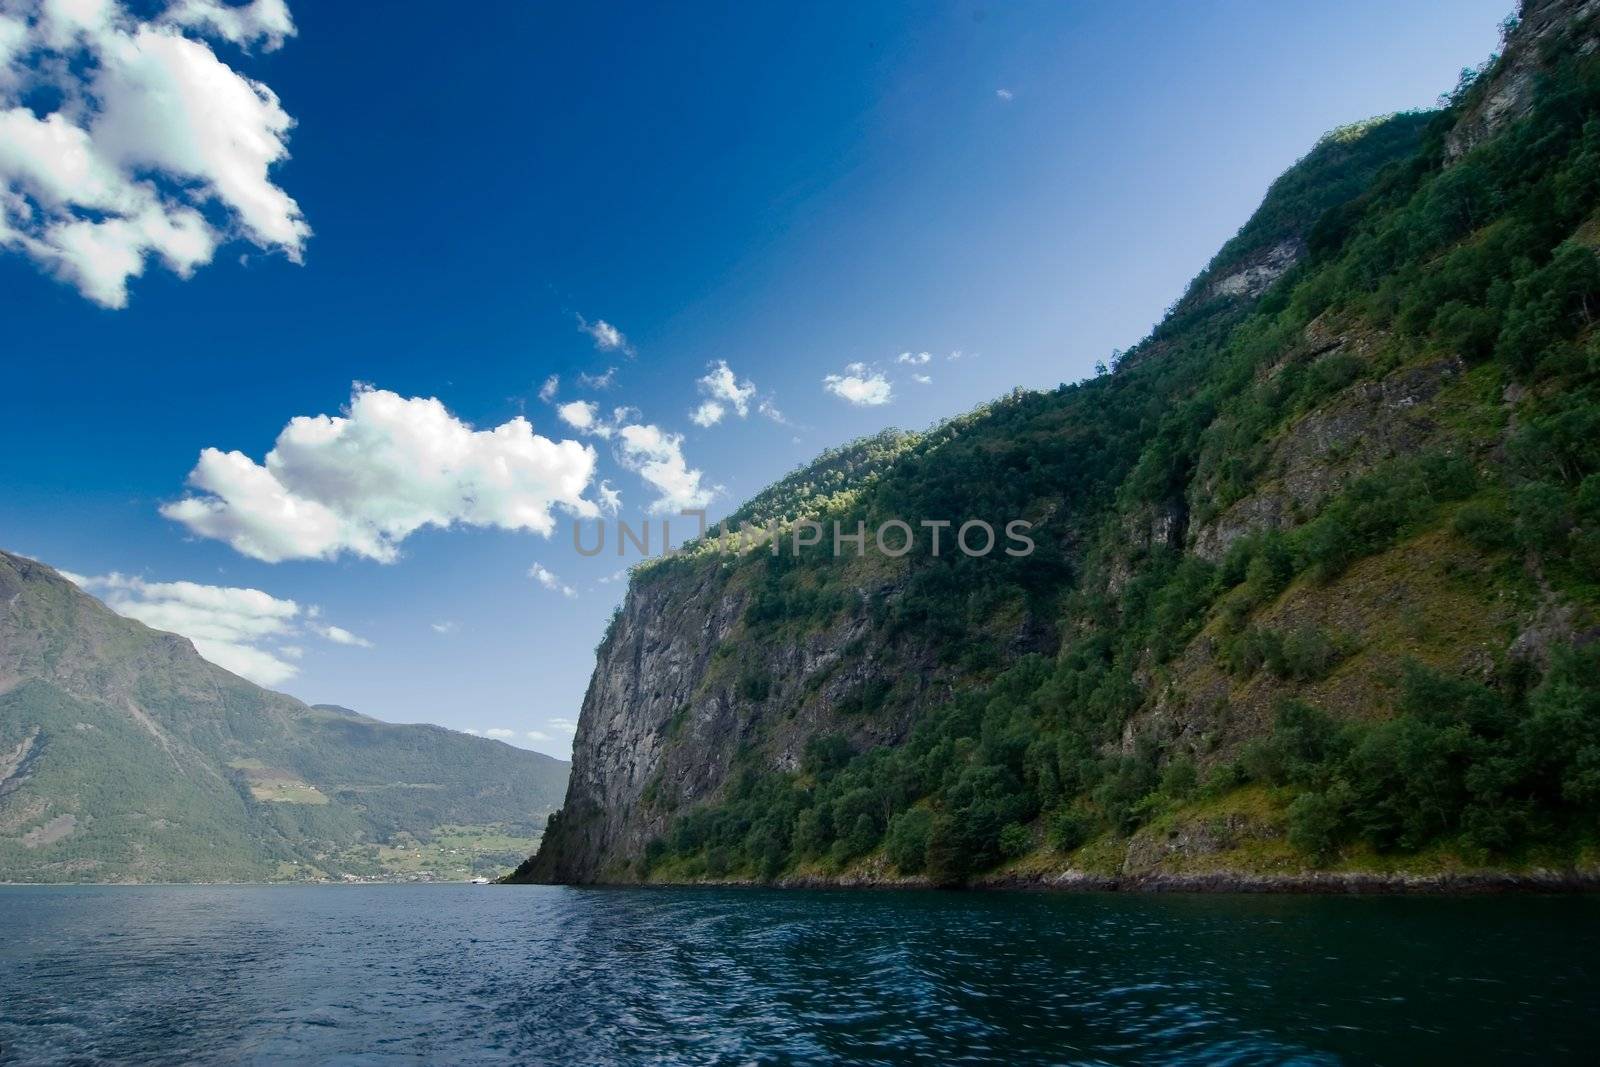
(125, 756)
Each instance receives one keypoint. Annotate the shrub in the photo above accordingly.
(1270, 569)
(1015, 840)
(1314, 823)
(1588, 502)
(1305, 736)
(1070, 829)
(907, 842)
(950, 858)
(1543, 519)
(824, 754)
(719, 861)
(755, 686)
(1485, 525)
(1252, 650)
(1180, 779)
(1470, 331)
(1306, 655)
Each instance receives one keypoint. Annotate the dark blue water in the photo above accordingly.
(460, 974)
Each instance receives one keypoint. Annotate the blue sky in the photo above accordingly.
(788, 190)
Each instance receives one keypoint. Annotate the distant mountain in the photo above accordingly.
(1314, 592)
(124, 756)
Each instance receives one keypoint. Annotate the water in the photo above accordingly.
(461, 974)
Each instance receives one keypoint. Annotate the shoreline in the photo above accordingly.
(1350, 883)
(1347, 883)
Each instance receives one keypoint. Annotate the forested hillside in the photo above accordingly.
(1315, 584)
(124, 756)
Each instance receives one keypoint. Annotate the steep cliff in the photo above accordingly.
(1314, 584)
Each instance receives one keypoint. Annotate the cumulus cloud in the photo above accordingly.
(610, 498)
(915, 359)
(860, 386)
(542, 574)
(607, 338)
(922, 379)
(709, 413)
(1005, 94)
(499, 733)
(657, 457)
(547, 391)
(723, 390)
(156, 148)
(364, 481)
(583, 416)
(264, 22)
(770, 410)
(246, 631)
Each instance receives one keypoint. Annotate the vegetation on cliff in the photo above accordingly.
(1327, 544)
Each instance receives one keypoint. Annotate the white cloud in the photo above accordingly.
(657, 457)
(364, 481)
(447, 626)
(583, 416)
(722, 389)
(859, 386)
(339, 635)
(1005, 94)
(709, 413)
(599, 381)
(922, 379)
(542, 574)
(266, 22)
(246, 631)
(607, 338)
(610, 498)
(547, 391)
(152, 129)
(915, 359)
(500, 733)
(553, 737)
(770, 410)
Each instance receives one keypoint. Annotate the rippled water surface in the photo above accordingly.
(461, 974)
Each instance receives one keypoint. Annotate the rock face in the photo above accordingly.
(1359, 429)
(671, 705)
(648, 675)
(1253, 277)
(1508, 93)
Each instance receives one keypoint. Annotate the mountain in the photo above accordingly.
(1313, 593)
(124, 756)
